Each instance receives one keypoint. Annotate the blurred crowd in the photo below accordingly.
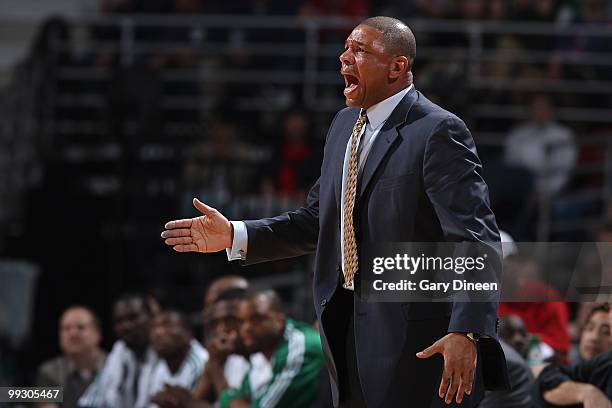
(258, 140)
(250, 353)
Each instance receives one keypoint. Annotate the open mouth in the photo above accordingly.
(351, 82)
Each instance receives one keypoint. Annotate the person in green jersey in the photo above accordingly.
(292, 348)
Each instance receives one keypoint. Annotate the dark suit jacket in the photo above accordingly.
(521, 379)
(421, 182)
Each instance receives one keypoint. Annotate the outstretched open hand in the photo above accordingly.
(210, 232)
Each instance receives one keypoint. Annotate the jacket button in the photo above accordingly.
(323, 302)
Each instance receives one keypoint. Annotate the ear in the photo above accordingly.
(399, 66)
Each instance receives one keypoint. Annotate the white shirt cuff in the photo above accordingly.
(240, 243)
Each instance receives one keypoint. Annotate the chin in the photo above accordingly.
(352, 103)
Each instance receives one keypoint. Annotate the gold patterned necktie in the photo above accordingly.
(349, 245)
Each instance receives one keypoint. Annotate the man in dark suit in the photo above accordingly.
(396, 168)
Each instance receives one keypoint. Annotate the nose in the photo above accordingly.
(157, 332)
(346, 57)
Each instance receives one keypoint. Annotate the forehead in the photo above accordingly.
(223, 308)
(76, 316)
(366, 35)
(599, 316)
(255, 305)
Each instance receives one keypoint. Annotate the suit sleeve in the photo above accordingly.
(460, 198)
(293, 233)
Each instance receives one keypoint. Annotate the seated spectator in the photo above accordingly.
(595, 336)
(293, 349)
(587, 384)
(182, 358)
(124, 380)
(534, 302)
(227, 365)
(513, 332)
(81, 359)
(544, 147)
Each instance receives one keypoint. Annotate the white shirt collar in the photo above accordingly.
(379, 113)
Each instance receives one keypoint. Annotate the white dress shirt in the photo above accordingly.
(377, 116)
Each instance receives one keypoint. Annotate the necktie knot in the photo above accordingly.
(363, 116)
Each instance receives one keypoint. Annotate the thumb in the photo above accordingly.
(429, 351)
(203, 208)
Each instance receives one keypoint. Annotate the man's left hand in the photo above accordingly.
(459, 354)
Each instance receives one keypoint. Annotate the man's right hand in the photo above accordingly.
(211, 232)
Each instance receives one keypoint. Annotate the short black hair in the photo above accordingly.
(144, 299)
(399, 39)
(231, 294)
(271, 296)
(603, 308)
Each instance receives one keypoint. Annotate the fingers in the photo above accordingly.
(452, 389)
(470, 384)
(465, 382)
(445, 383)
(185, 223)
(203, 208)
(455, 383)
(185, 248)
(175, 233)
(178, 241)
(430, 351)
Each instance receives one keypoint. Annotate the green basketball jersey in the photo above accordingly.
(296, 366)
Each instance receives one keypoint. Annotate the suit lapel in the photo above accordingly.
(382, 144)
(385, 138)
